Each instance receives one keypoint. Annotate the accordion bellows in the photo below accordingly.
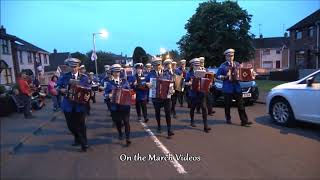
(201, 85)
(123, 96)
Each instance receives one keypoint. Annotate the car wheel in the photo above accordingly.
(281, 112)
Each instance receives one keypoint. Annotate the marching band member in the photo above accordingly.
(148, 68)
(197, 98)
(181, 71)
(231, 87)
(75, 113)
(158, 103)
(119, 113)
(209, 95)
(141, 90)
(168, 70)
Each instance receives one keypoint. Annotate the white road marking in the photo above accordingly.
(164, 149)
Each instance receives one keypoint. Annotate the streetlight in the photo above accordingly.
(104, 34)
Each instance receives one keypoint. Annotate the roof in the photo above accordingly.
(307, 21)
(272, 42)
(22, 44)
(56, 59)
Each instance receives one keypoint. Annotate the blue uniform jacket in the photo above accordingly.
(140, 94)
(195, 96)
(63, 82)
(228, 86)
(112, 85)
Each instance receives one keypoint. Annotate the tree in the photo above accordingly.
(173, 54)
(103, 59)
(139, 55)
(215, 27)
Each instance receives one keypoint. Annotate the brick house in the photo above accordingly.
(304, 43)
(271, 54)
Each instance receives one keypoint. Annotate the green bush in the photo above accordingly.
(2, 89)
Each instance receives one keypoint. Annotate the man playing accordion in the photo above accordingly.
(75, 112)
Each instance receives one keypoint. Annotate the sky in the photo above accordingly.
(68, 25)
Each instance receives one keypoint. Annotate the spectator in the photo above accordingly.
(25, 93)
(54, 93)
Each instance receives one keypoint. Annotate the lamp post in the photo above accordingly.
(104, 34)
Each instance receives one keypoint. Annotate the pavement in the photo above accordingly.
(263, 151)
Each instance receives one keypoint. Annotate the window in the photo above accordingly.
(278, 64)
(266, 52)
(310, 31)
(19, 54)
(278, 51)
(298, 35)
(29, 58)
(45, 59)
(5, 46)
(267, 64)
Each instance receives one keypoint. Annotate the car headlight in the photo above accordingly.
(254, 83)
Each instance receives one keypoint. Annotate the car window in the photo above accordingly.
(317, 78)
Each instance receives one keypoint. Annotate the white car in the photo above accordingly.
(298, 100)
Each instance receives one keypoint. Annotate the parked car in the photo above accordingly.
(250, 90)
(298, 100)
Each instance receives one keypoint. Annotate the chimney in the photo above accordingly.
(54, 50)
(3, 30)
(286, 34)
(261, 36)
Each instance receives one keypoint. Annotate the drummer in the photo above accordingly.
(197, 98)
(120, 113)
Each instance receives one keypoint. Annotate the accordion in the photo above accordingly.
(141, 84)
(209, 76)
(95, 87)
(160, 88)
(200, 73)
(123, 96)
(241, 74)
(77, 94)
(200, 85)
(179, 83)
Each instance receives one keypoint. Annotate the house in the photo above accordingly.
(271, 54)
(304, 43)
(56, 59)
(18, 55)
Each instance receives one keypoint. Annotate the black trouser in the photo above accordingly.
(122, 116)
(180, 97)
(158, 103)
(174, 102)
(209, 102)
(77, 126)
(93, 97)
(141, 105)
(202, 103)
(187, 96)
(240, 104)
(27, 105)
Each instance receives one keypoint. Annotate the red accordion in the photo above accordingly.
(210, 76)
(201, 84)
(160, 88)
(123, 96)
(78, 93)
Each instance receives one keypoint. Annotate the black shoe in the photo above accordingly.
(84, 148)
(246, 124)
(170, 133)
(213, 112)
(210, 114)
(128, 142)
(207, 129)
(159, 130)
(193, 125)
(229, 122)
(139, 118)
(146, 120)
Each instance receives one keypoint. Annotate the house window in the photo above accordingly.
(267, 64)
(310, 31)
(5, 46)
(266, 52)
(298, 35)
(19, 54)
(278, 51)
(5, 73)
(45, 59)
(29, 58)
(278, 64)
